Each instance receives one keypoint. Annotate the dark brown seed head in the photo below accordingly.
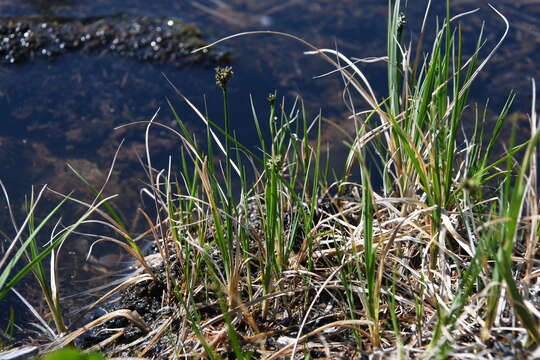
(223, 75)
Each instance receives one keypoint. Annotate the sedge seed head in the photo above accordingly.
(223, 75)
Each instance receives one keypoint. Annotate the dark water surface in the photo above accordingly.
(65, 110)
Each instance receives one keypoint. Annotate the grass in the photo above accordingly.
(263, 255)
(10, 263)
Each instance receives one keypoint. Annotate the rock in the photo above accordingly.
(165, 40)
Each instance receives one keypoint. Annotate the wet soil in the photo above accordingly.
(147, 299)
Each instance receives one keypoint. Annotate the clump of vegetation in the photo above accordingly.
(261, 255)
(165, 40)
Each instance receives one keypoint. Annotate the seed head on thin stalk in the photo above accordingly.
(223, 75)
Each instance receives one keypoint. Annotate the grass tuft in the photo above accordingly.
(263, 255)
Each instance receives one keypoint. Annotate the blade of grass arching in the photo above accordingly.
(235, 142)
(188, 140)
(8, 207)
(157, 231)
(180, 122)
(5, 287)
(357, 143)
(481, 66)
(110, 210)
(213, 126)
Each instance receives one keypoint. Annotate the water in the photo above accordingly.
(66, 110)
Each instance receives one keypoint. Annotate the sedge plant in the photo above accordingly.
(269, 257)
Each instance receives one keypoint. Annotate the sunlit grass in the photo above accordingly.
(264, 255)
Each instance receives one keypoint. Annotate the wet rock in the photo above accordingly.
(165, 40)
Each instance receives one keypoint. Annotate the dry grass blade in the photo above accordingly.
(128, 314)
(132, 280)
(316, 297)
(342, 323)
(107, 341)
(138, 256)
(159, 333)
(34, 312)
